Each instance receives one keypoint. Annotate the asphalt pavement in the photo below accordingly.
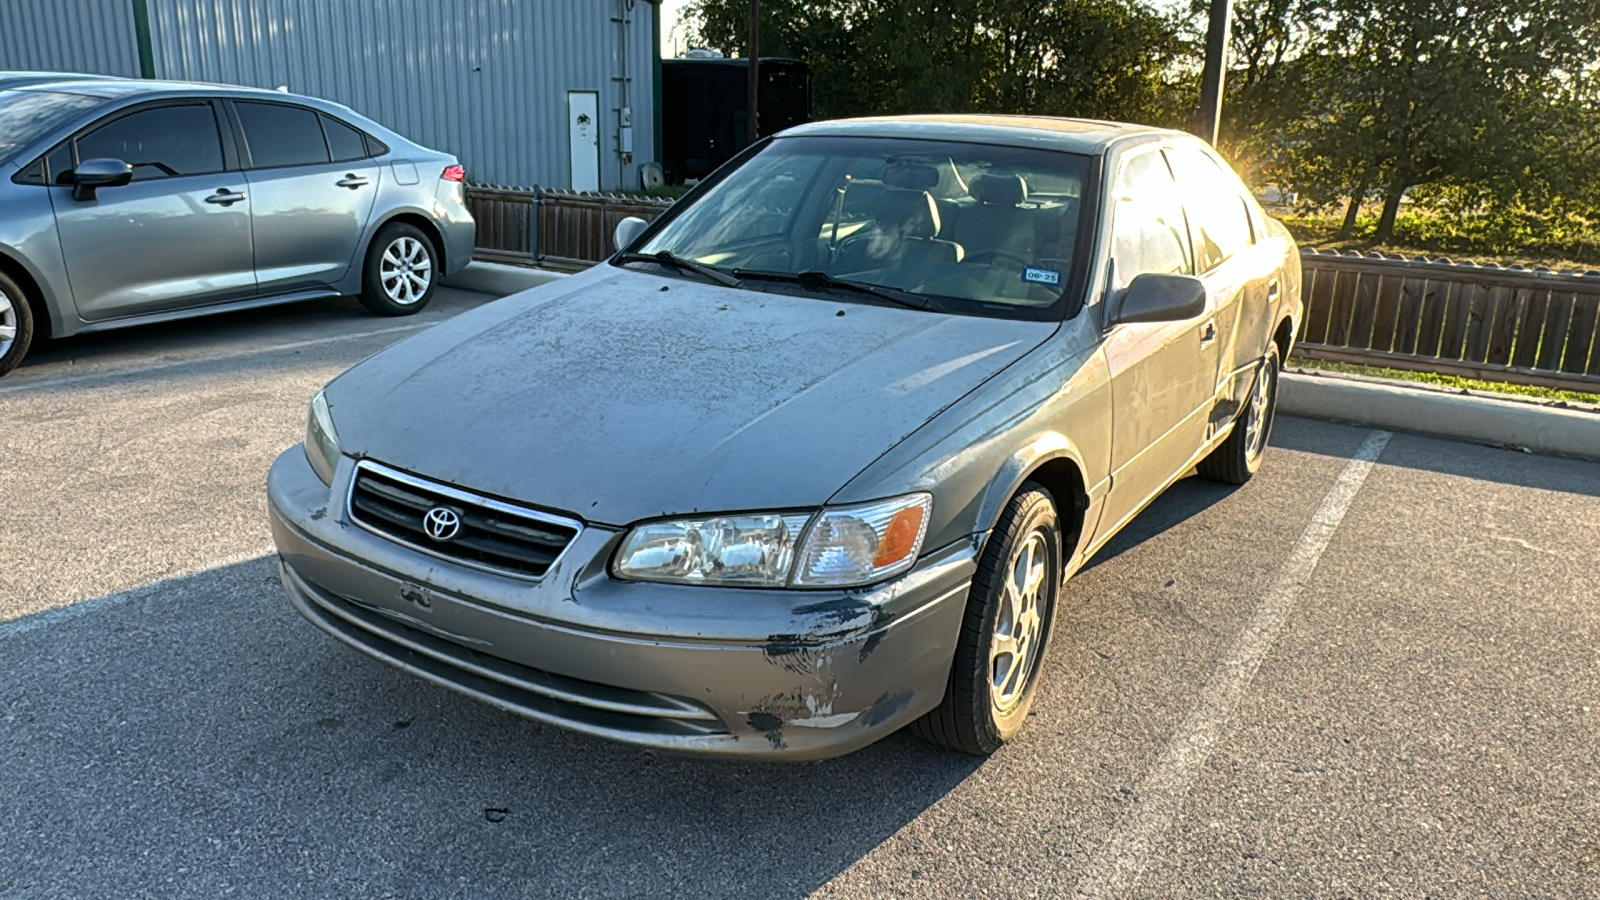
(1373, 670)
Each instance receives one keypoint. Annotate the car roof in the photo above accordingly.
(113, 88)
(1073, 135)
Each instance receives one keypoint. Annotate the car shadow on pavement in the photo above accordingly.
(1501, 465)
(195, 737)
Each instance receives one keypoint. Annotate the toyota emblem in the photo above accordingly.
(442, 524)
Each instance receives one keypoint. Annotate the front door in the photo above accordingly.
(311, 190)
(177, 236)
(1163, 374)
(583, 135)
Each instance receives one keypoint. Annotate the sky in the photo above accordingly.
(672, 42)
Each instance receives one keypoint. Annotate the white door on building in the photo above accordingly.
(583, 128)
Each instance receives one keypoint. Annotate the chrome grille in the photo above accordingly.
(493, 534)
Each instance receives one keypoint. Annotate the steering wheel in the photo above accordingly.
(994, 256)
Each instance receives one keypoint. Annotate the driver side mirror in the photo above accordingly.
(93, 174)
(1160, 298)
(627, 230)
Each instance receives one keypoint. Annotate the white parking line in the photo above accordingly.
(1116, 870)
(60, 614)
(172, 364)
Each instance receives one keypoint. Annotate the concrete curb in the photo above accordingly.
(1515, 424)
(500, 279)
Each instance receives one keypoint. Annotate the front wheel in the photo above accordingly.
(16, 325)
(1010, 610)
(1239, 457)
(402, 271)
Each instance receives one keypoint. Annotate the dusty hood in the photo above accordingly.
(618, 396)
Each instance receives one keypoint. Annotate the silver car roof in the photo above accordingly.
(1088, 136)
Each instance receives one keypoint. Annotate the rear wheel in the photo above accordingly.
(1010, 611)
(1239, 457)
(402, 271)
(16, 325)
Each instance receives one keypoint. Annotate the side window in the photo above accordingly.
(58, 164)
(1219, 217)
(1147, 231)
(344, 142)
(164, 142)
(280, 135)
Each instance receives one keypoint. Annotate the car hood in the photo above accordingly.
(617, 395)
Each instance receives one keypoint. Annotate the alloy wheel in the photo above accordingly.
(1255, 428)
(1018, 628)
(406, 269)
(8, 323)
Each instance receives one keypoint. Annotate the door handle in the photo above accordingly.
(1272, 291)
(351, 181)
(225, 197)
(1208, 333)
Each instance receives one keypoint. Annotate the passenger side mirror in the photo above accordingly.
(1160, 298)
(93, 174)
(627, 230)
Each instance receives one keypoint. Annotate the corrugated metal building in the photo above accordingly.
(558, 93)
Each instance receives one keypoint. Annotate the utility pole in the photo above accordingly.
(753, 88)
(1209, 120)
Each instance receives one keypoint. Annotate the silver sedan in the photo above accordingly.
(130, 202)
(812, 458)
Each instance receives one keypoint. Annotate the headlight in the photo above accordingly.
(749, 550)
(844, 546)
(322, 442)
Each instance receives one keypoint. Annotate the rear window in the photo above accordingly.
(345, 142)
(26, 116)
(280, 135)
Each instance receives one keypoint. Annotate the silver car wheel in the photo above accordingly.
(1014, 643)
(1255, 427)
(405, 269)
(8, 324)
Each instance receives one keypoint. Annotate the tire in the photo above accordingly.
(1239, 457)
(976, 716)
(399, 257)
(16, 324)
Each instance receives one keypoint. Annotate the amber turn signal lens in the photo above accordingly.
(900, 538)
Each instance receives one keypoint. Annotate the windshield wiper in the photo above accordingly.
(668, 258)
(816, 278)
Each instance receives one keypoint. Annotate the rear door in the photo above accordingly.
(312, 188)
(178, 236)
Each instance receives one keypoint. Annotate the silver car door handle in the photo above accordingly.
(1208, 333)
(351, 181)
(225, 197)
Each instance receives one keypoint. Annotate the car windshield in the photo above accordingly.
(25, 116)
(974, 228)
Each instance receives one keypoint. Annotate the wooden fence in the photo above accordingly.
(555, 229)
(1525, 326)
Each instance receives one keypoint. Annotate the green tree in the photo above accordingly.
(1094, 58)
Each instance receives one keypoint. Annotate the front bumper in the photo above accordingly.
(715, 671)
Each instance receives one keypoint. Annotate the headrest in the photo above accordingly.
(1000, 190)
(911, 214)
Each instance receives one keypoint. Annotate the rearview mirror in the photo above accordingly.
(1160, 298)
(627, 230)
(93, 174)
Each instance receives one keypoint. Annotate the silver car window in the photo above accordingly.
(981, 228)
(1147, 226)
(163, 142)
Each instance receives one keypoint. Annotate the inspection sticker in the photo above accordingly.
(1041, 276)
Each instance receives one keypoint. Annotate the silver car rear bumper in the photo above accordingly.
(695, 672)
